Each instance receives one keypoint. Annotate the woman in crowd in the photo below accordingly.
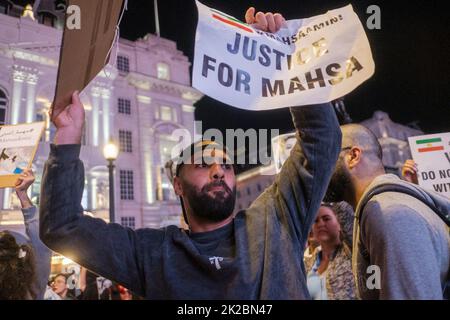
(329, 269)
(24, 263)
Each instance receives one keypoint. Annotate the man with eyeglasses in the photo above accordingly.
(401, 242)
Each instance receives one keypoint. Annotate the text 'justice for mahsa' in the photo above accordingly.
(267, 57)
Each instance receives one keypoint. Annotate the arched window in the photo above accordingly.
(3, 106)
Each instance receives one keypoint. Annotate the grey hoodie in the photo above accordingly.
(405, 239)
(259, 255)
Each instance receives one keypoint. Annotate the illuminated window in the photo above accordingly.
(166, 113)
(126, 185)
(123, 64)
(165, 150)
(3, 106)
(163, 71)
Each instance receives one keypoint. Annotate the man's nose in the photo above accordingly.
(217, 172)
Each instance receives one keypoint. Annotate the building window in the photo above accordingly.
(4, 7)
(126, 185)
(3, 106)
(165, 189)
(129, 222)
(163, 71)
(259, 187)
(125, 141)
(238, 194)
(248, 191)
(123, 64)
(166, 113)
(124, 106)
(48, 19)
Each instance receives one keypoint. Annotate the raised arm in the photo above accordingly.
(300, 186)
(43, 254)
(107, 249)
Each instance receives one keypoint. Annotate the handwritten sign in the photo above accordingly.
(432, 155)
(18, 145)
(314, 60)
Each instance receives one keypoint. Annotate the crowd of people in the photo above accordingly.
(333, 225)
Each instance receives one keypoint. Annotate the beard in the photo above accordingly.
(340, 183)
(211, 208)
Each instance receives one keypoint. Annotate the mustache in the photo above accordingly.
(214, 184)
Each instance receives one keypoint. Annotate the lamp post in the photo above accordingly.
(110, 152)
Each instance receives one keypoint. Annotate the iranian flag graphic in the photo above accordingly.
(429, 145)
(222, 17)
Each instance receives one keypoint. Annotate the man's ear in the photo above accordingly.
(354, 157)
(177, 186)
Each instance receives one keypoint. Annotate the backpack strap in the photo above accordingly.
(391, 187)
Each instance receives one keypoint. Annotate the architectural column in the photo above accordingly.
(6, 195)
(16, 99)
(106, 101)
(146, 146)
(31, 97)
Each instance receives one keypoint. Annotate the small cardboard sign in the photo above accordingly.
(84, 50)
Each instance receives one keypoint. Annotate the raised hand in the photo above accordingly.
(409, 171)
(268, 22)
(69, 123)
(25, 180)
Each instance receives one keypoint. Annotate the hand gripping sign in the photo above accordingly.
(313, 60)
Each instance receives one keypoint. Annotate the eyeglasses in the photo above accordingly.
(346, 148)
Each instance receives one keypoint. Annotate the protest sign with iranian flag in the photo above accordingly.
(432, 156)
(309, 61)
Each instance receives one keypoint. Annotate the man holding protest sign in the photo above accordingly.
(401, 245)
(256, 254)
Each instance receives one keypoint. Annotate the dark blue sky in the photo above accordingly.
(411, 53)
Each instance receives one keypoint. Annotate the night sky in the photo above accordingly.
(411, 53)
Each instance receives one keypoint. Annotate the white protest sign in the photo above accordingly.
(432, 155)
(313, 60)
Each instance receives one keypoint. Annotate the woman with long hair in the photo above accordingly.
(17, 269)
(24, 263)
(329, 268)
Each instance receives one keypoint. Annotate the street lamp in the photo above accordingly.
(110, 152)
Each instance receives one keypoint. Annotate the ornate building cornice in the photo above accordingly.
(147, 83)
